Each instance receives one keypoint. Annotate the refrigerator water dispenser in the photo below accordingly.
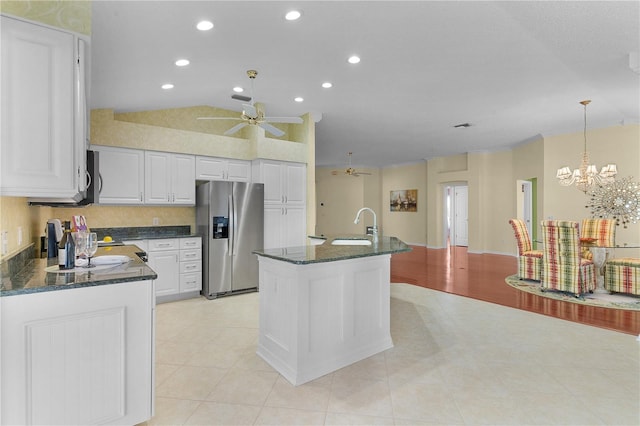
(220, 227)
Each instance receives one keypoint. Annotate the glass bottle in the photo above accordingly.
(67, 249)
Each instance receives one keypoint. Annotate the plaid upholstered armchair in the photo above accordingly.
(622, 275)
(603, 231)
(529, 260)
(563, 268)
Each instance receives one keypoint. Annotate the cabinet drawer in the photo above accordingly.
(187, 255)
(190, 243)
(164, 244)
(190, 282)
(187, 267)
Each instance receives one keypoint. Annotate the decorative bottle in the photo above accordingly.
(67, 249)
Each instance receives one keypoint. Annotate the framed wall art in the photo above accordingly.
(404, 200)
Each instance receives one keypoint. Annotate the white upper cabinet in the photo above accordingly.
(285, 210)
(43, 136)
(211, 168)
(121, 179)
(284, 183)
(169, 178)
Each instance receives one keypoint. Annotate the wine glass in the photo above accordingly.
(91, 247)
(80, 238)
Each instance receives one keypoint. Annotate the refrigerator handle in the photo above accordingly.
(234, 223)
(231, 229)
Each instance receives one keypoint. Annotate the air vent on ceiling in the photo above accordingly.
(241, 98)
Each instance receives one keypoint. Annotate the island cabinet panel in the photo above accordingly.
(79, 356)
(320, 317)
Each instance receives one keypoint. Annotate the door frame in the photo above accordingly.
(449, 209)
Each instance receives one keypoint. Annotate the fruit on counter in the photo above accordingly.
(108, 239)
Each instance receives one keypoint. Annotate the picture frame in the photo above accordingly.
(403, 200)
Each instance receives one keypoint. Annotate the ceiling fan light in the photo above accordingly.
(182, 62)
(167, 86)
(238, 89)
(292, 15)
(327, 85)
(204, 25)
(298, 99)
(354, 59)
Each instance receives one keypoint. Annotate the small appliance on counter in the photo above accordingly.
(54, 235)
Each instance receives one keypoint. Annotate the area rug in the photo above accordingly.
(603, 300)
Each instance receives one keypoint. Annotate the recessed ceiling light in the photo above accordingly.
(238, 89)
(327, 85)
(204, 25)
(182, 62)
(167, 86)
(298, 99)
(354, 59)
(292, 15)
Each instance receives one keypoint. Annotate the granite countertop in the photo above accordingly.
(34, 278)
(327, 252)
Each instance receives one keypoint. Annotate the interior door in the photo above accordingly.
(461, 216)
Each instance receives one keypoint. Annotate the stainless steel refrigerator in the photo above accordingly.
(230, 217)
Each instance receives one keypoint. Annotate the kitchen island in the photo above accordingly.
(77, 346)
(326, 306)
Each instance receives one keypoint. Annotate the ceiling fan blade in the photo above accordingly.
(250, 111)
(218, 118)
(294, 120)
(235, 128)
(271, 129)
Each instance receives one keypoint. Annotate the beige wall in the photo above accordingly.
(408, 226)
(619, 145)
(491, 179)
(338, 199)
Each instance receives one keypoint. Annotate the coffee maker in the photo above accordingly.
(54, 235)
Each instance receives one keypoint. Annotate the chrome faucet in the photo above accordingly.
(375, 221)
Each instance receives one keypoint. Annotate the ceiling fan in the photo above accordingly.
(350, 170)
(253, 114)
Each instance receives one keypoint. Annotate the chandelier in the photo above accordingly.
(587, 175)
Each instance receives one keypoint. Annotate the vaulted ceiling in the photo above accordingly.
(512, 70)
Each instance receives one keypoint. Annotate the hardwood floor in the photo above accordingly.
(481, 276)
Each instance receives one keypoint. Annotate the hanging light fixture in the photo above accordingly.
(587, 175)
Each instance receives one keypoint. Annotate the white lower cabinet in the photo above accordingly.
(178, 263)
(79, 356)
(190, 265)
(163, 258)
(284, 226)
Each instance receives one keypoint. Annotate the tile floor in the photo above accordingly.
(456, 361)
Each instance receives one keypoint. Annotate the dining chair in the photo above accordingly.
(529, 260)
(563, 268)
(622, 275)
(602, 231)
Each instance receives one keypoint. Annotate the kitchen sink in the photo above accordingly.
(350, 242)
